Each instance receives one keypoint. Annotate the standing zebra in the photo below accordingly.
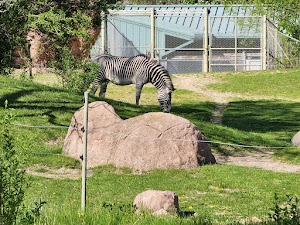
(137, 70)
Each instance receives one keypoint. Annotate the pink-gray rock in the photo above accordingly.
(296, 140)
(150, 141)
(157, 202)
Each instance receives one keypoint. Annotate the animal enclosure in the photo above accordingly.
(195, 38)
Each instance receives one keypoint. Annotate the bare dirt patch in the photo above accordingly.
(258, 160)
(200, 85)
(56, 142)
(56, 173)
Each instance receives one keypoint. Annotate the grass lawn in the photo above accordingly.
(221, 193)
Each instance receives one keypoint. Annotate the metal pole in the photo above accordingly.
(235, 44)
(152, 50)
(30, 58)
(104, 33)
(264, 43)
(84, 151)
(205, 42)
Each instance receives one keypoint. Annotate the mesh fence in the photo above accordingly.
(129, 35)
(180, 41)
(236, 43)
(282, 50)
(178, 38)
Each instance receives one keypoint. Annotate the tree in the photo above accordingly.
(59, 21)
(285, 13)
(13, 15)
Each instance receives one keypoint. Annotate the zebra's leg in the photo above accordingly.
(103, 88)
(98, 81)
(94, 87)
(139, 88)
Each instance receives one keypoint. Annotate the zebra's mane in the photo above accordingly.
(166, 76)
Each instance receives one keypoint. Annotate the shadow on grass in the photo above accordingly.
(262, 116)
(184, 214)
(31, 100)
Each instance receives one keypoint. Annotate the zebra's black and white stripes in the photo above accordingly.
(137, 70)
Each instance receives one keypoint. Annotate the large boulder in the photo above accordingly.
(150, 141)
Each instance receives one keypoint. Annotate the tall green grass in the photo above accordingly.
(221, 193)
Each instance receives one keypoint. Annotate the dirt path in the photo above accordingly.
(258, 160)
(59, 173)
(261, 160)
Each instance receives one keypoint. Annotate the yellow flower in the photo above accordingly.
(80, 215)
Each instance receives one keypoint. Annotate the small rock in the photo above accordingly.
(296, 140)
(157, 202)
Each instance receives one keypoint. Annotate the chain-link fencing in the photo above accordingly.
(282, 51)
(197, 39)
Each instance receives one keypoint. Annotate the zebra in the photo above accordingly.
(137, 70)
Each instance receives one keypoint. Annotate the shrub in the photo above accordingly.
(287, 212)
(13, 180)
(75, 75)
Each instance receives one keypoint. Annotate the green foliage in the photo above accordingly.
(76, 75)
(59, 23)
(13, 21)
(61, 29)
(285, 13)
(169, 2)
(29, 216)
(287, 212)
(13, 180)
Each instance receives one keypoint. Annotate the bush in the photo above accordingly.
(80, 80)
(13, 180)
(287, 212)
(75, 75)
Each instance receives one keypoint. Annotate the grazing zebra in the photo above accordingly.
(137, 70)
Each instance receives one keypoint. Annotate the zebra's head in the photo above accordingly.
(160, 78)
(164, 98)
